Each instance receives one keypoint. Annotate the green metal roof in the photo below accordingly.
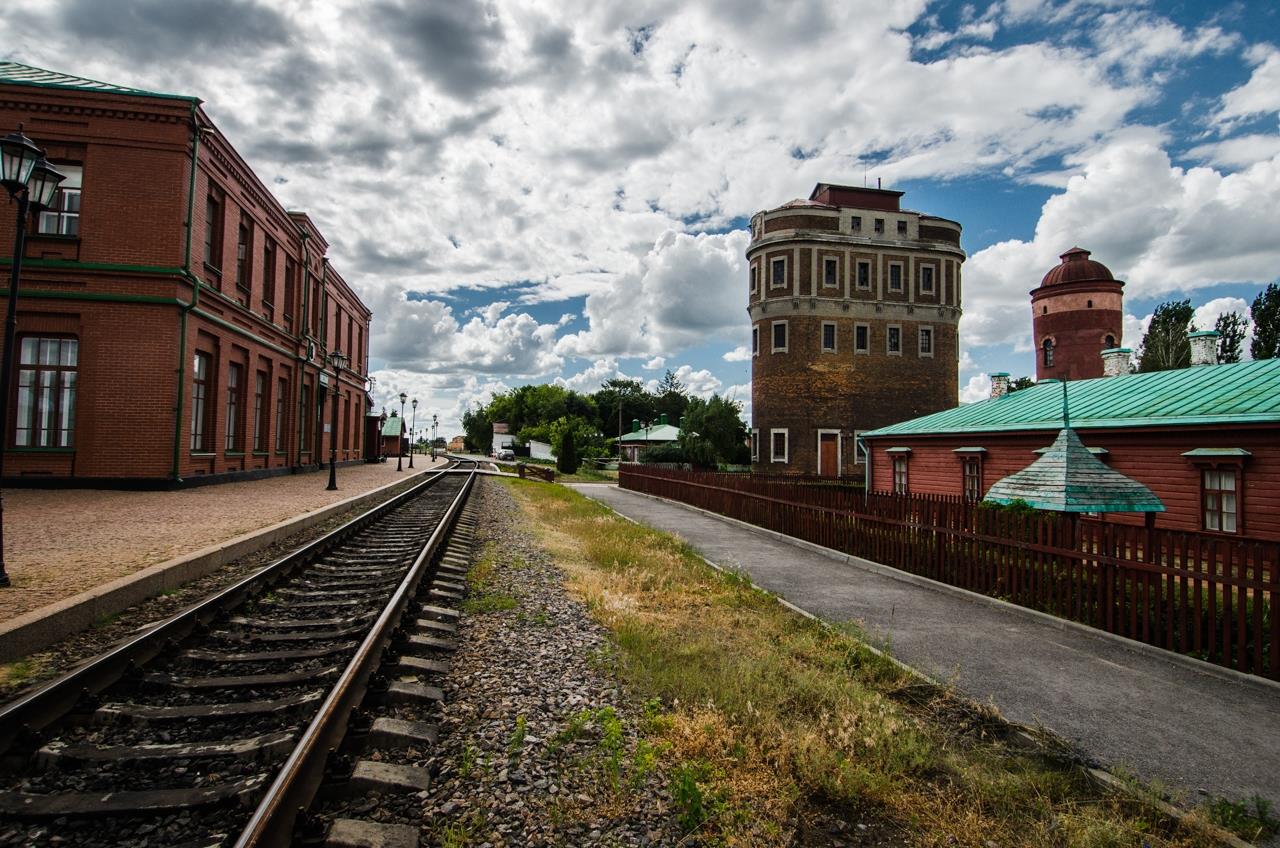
(660, 433)
(1235, 393)
(18, 74)
(393, 426)
(1068, 478)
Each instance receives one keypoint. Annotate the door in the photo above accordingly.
(829, 454)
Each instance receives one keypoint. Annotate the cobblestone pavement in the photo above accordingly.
(59, 542)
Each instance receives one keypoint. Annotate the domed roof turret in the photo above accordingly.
(1077, 267)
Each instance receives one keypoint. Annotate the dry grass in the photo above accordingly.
(771, 722)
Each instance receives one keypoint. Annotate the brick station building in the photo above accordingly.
(854, 304)
(174, 320)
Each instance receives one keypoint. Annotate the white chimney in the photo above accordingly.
(999, 384)
(1204, 347)
(1115, 361)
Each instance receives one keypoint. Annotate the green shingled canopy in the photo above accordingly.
(658, 433)
(1069, 478)
(19, 74)
(394, 426)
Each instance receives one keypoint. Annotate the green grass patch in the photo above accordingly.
(481, 595)
(766, 722)
(1252, 820)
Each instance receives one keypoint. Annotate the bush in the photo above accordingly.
(669, 453)
(567, 454)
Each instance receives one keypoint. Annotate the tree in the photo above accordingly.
(622, 399)
(477, 430)
(1231, 328)
(1020, 383)
(718, 422)
(672, 398)
(567, 454)
(1266, 323)
(1165, 345)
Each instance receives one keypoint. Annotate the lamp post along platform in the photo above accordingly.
(337, 361)
(33, 183)
(400, 440)
(413, 429)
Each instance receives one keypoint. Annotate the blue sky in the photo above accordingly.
(556, 190)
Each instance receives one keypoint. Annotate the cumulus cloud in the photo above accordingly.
(741, 353)
(1261, 93)
(978, 387)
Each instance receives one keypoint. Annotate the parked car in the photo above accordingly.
(506, 454)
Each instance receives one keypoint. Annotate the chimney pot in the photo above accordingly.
(1204, 347)
(1115, 361)
(999, 384)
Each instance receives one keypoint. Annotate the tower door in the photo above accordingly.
(829, 454)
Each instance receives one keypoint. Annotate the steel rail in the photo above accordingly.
(298, 780)
(55, 699)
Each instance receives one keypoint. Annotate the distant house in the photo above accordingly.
(1204, 439)
(539, 450)
(502, 438)
(457, 444)
(393, 436)
(642, 437)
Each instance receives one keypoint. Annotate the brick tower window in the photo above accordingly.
(926, 279)
(861, 338)
(893, 340)
(828, 336)
(864, 275)
(1110, 341)
(830, 273)
(777, 273)
(47, 369)
(1048, 353)
(895, 276)
(778, 445)
(779, 337)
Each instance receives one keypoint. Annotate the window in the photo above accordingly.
(855, 223)
(779, 337)
(346, 417)
(1218, 494)
(357, 355)
(282, 391)
(213, 230)
(1110, 342)
(62, 218)
(304, 439)
(290, 291)
(755, 341)
(893, 340)
(260, 411)
(201, 425)
(926, 279)
(269, 279)
(926, 341)
(235, 385)
(879, 226)
(755, 445)
(861, 338)
(1088, 304)
(46, 392)
(900, 475)
(1048, 353)
(972, 469)
(778, 445)
(753, 279)
(895, 276)
(830, 273)
(778, 273)
(244, 260)
(864, 275)
(828, 336)
(902, 228)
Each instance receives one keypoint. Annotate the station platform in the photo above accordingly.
(1198, 730)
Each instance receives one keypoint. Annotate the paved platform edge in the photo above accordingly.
(1100, 775)
(43, 626)
(1229, 675)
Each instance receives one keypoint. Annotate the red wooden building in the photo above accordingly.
(175, 321)
(1205, 439)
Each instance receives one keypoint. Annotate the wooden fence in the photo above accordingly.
(1209, 596)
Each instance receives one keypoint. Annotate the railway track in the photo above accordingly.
(231, 722)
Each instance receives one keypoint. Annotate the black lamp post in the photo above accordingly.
(33, 182)
(413, 428)
(337, 361)
(400, 458)
(434, 421)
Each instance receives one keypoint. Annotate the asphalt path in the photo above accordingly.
(1197, 734)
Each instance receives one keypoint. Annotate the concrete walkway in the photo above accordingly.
(1191, 731)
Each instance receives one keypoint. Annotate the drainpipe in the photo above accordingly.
(174, 471)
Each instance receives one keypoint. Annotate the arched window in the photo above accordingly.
(1048, 353)
(1111, 341)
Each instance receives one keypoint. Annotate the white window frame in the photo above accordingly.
(772, 262)
(56, 220)
(889, 277)
(755, 444)
(755, 341)
(835, 336)
(835, 281)
(933, 341)
(857, 276)
(786, 445)
(859, 458)
(905, 459)
(755, 272)
(773, 337)
(888, 337)
(863, 351)
(933, 283)
(839, 450)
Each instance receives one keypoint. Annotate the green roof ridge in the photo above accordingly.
(1233, 393)
(16, 73)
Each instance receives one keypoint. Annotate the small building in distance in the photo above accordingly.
(1076, 313)
(457, 444)
(642, 437)
(395, 439)
(854, 304)
(1204, 439)
(175, 321)
(503, 439)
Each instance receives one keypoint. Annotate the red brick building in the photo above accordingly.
(854, 304)
(1076, 313)
(174, 319)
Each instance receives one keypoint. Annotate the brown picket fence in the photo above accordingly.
(1209, 596)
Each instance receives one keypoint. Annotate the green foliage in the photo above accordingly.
(566, 452)
(718, 422)
(1021, 383)
(1250, 819)
(1265, 312)
(626, 400)
(671, 398)
(694, 805)
(1166, 346)
(1231, 326)
(673, 452)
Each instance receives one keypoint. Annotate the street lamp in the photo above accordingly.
(337, 361)
(33, 182)
(413, 428)
(400, 459)
(434, 422)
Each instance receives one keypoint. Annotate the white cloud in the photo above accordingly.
(741, 353)
(698, 382)
(655, 364)
(591, 378)
(977, 388)
(1261, 94)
